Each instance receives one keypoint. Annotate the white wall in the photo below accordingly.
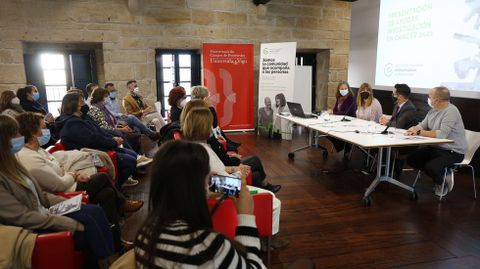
(363, 49)
(363, 42)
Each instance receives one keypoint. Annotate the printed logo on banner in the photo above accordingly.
(228, 74)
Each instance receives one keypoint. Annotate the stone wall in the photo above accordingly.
(130, 30)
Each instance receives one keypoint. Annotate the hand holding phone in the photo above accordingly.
(244, 202)
(226, 185)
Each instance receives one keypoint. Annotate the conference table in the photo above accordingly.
(365, 135)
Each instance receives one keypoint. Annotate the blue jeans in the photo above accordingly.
(136, 124)
(97, 236)
(127, 164)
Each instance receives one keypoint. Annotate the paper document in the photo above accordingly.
(68, 206)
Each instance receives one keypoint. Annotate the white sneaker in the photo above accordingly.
(143, 161)
(130, 182)
(438, 190)
(449, 180)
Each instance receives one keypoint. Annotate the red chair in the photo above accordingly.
(111, 153)
(225, 218)
(56, 250)
(60, 245)
(68, 195)
(177, 135)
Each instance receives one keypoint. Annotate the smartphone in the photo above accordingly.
(230, 186)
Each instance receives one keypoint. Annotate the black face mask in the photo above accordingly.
(84, 109)
(395, 99)
(364, 95)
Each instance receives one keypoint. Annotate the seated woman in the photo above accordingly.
(178, 232)
(29, 96)
(77, 133)
(344, 105)
(52, 177)
(25, 204)
(10, 104)
(258, 173)
(368, 107)
(177, 98)
(201, 92)
(105, 120)
(196, 127)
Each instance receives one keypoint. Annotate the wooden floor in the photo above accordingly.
(324, 220)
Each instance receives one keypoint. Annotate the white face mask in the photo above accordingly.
(183, 103)
(429, 101)
(15, 101)
(136, 90)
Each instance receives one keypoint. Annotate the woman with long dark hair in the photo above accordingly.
(25, 204)
(178, 232)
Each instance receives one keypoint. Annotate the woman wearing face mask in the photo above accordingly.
(111, 104)
(177, 98)
(50, 173)
(25, 204)
(29, 96)
(99, 113)
(10, 104)
(369, 107)
(345, 104)
(178, 232)
(77, 133)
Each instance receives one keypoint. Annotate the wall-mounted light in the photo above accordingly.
(260, 2)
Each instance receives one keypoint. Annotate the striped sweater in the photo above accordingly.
(183, 248)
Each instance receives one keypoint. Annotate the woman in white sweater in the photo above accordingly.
(52, 177)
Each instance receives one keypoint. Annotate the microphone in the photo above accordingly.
(344, 118)
(384, 132)
(346, 111)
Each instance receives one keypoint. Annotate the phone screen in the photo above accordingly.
(228, 185)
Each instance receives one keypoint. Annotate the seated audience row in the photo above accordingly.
(25, 204)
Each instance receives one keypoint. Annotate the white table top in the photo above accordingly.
(365, 134)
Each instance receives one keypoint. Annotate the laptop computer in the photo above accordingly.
(297, 111)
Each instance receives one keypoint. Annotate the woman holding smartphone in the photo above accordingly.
(196, 127)
(178, 232)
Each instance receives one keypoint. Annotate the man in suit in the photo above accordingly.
(404, 113)
(404, 116)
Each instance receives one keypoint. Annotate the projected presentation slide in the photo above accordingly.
(426, 43)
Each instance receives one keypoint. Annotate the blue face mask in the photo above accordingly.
(113, 95)
(17, 144)
(36, 96)
(343, 92)
(42, 140)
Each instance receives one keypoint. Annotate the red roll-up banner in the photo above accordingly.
(228, 74)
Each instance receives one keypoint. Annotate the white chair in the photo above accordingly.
(473, 142)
